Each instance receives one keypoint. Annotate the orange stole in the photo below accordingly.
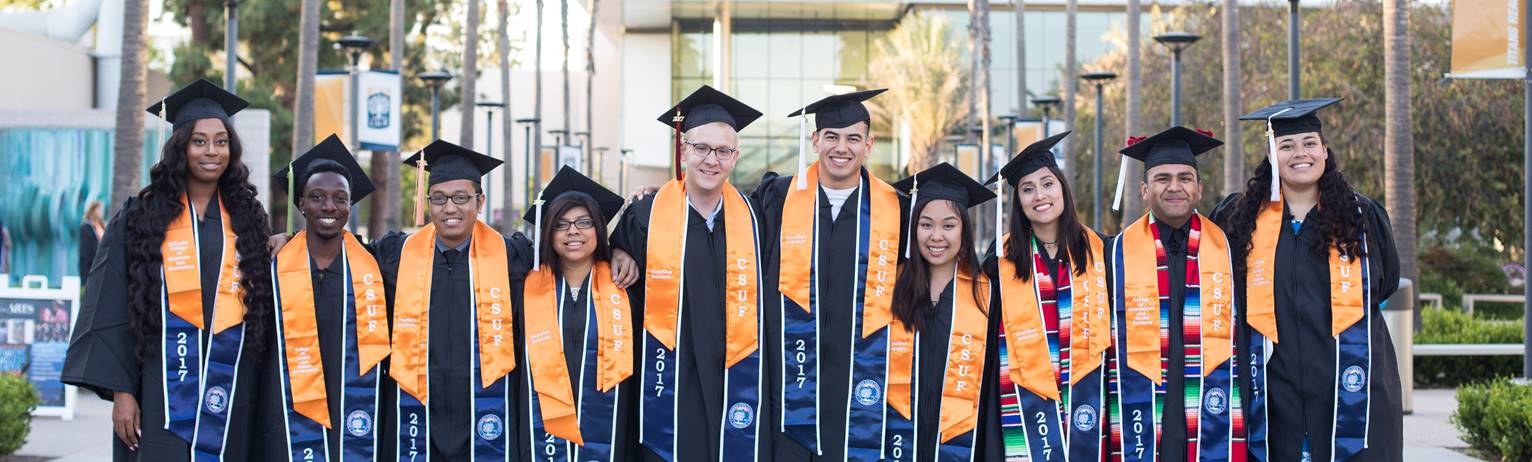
(965, 361)
(545, 346)
(183, 277)
(1090, 333)
(1141, 297)
(491, 293)
(797, 244)
(300, 332)
(667, 247)
(1346, 298)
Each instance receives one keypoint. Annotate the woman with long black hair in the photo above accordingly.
(1053, 320)
(937, 349)
(176, 313)
(1313, 262)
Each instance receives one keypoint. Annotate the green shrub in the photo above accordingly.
(17, 398)
(1495, 419)
(1453, 327)
(1468, 267)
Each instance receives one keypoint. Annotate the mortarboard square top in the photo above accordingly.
(1176, 145)
(944, 181)
(333, 150)
(570, 181)
(1293, 116)
(707, 105)
(200, 100)
(1035, 156)
(448, 162)
(840, 111)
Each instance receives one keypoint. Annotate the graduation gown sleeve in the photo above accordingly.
(103, 352)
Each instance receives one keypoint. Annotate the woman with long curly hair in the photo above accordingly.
(177, 311)
(1313, 262)
(938, 354)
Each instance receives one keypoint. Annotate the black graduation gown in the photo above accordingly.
(329, 285)
(699, 388)
(573, 324)
(451, 339)
(931, 372)
(103, 356)
(1301, 371)
(837, 241)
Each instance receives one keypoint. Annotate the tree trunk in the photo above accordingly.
(535, 170)
(303, 106)
(1132, 204)
(564, 26)
(128, 144)
(386, 200)
(1071, 79)
(1398, 141)
(1021, 58)
(1233, 151)
(508, 213)
(590, 93)
(467, 88)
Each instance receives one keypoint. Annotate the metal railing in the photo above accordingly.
(1469, 299)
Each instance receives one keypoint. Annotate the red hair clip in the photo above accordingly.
(1205, 132)
(1132, 140)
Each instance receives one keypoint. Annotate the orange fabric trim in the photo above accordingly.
(965, 359)
(183, 277)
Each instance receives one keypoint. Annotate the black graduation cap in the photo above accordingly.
(1035, 156)
(570, 181)
(447, 162)
(1292, 116)
(333, 150)
(708, 105)
(200, 100)
(1176, 145)
(942, 181)
(840, 111)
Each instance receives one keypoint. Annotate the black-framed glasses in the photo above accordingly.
(459, 199)
(583, 223)
(703, 150)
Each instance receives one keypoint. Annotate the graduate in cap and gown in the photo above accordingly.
(449, 286)
(578, 397)
(1173, 308)
(177, 311)
(832, 237)
(696, 243)
(939, 355)
(1053, 318)
(323, 386)
(1315, 262)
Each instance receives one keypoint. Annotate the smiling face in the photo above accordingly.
(1041, 197)
(1301, 158)
(453, 220)
(207, 153)
(710, 151)
(842, 152)
(1172, 191)
(574, 236)
(939, 233)
(326, 204)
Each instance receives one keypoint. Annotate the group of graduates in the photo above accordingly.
(827, 315)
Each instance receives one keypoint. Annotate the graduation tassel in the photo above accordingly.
(999, 213)
(803, 147)
(1271, 156)
(677, 163)
(1122, 177)
(420, 190)
(537, 234)
(914, 193)
(291, 173)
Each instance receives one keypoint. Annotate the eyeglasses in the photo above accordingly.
(703, 150)
(460, 199)
(583, 223)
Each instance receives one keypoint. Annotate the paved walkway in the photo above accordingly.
(1428, 436)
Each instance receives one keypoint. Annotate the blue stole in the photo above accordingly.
(597, 410)
(306, 439)
(800, 350)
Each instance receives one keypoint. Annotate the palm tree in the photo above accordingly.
(980, 13)
(1132, 204)
(537, 99)
(1071, 77)
(386, 200)
(470, 73)
(1398, 142)
(1021, 57)
(1233, 155)
(127, 152)
(507, 123)
(922, 68)
(590, 89)
(303, 104)
(564, 25)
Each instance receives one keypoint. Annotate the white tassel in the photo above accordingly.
(803, 147)
(1271, 156)
(1122, 177)
(914, 191)
(999, 212)
(537, 235)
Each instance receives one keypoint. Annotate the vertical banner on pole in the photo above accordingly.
(330, 97)
(380, 109)
(1488, 37)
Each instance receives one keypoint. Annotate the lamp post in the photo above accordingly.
(354, 45)
(1177, 41)
(230, 43)
(1099, 79)
(1046, 103)
(435, 80)
(584, 139)
(1010, 132)
(527, 123)
(599, 156)
(489, 149)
